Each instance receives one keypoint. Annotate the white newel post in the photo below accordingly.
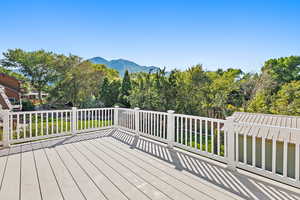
(74, 120)
(229, 129)
(171, 128)
(137, 120)
(116, 116)
(5, 117)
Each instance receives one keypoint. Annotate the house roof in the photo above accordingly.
(11, 77)
(281, 127)
(4, 102)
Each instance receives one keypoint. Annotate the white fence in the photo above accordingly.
(27, 126)
(217, 139)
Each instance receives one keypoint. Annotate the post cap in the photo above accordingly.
(171, 111)
(117, 106)
(136, 108)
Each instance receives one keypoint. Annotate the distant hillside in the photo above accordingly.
(121, 65)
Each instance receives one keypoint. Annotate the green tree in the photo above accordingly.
(260, 103)
(125, 90)
(109, 92)
(114, 86)
(287, 100)
(283, 70)
(37, 66)
(79, 81)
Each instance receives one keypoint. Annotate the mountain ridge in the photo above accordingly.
(121, 65)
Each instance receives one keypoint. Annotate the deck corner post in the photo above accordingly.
(5, 116)
(229, 131)
(137, 120)
(116, 116)
(74, 120)
(171, 128)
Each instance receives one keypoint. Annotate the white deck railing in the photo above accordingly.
(34, 125)
(217, 139)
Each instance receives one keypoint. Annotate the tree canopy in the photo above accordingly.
(195, 91)
(37, 66)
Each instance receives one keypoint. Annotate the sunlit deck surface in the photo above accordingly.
(115, 165)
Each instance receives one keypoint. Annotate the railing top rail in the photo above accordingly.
(89, 109)
(265, 126)
(199, 117)
(156, 112)
(39, 112)
(147, 111)
(127, 109)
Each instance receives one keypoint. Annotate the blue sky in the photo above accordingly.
(217, 34)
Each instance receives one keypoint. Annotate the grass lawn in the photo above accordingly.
(194, 143)
(40, 128)
(59, 126)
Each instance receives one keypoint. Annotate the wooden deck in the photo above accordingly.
(115, 165)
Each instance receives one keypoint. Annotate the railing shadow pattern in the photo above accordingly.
(240, 184)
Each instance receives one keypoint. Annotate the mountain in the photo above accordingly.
(121, 65)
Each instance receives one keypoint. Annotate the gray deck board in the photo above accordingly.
(171, 179)
(116, 165)
(29, 182)
(102, 182)
(68, 186)
(162, 183)
(48, 184)
(166, 171)
(88, 188)
(10, 188)
(131, 173)
(3, 161)
(122, 183)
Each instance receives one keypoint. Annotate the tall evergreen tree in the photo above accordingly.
(125, 90)
(109, 92)
(105, 92)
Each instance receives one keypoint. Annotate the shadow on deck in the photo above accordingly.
(244, 185)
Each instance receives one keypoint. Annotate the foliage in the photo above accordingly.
(260, 103)
(27, 105)
(78, 81)
(287, 100)
(12, 73)
(109, 92)
(283, 70)
(125, 90)
(193, 91)
(37, 66)
(196, 91)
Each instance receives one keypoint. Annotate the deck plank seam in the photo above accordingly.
(66, 167)
(37, 173)
(20, 185)
(67, 150)
(59, 187)
(169, 174)
(117, 172)
(100, 170)
(143, 169)
(139, 175)
(5, 167)
(195, 188)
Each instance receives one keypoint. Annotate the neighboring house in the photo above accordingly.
(10, 92)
